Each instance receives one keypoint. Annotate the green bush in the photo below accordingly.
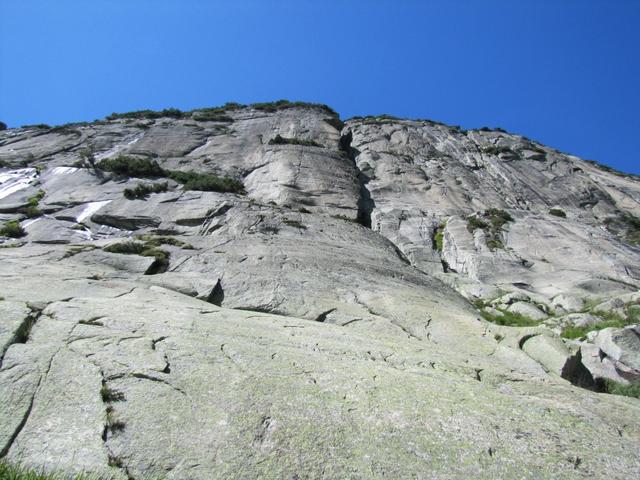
(278, 140)
(497, 217)
(129, 248)
(127, 166)
(153, 241)
(438, 237)
(474, 223)
(285, 104)
(143, 190)
(556, 212)
(497, 150)
(142, 114)
(12, 228)
(204, 116)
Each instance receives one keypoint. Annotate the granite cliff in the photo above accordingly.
(266, 291)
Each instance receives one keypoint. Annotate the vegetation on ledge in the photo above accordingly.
(279, 140)
(128, 166)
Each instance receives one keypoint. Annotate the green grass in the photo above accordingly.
(17, 472)
(279, 140)
(438, 237)
(143, 190)
(609, 320)
(12, 229)
(615, 388)
(32, 210)
(556, 212)
(511, 319)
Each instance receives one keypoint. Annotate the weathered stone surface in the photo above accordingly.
(621, 345)
(528, 310)
(286, 338)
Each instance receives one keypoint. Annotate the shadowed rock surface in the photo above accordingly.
(327, 320)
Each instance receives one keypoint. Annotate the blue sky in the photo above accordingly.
(564, 72)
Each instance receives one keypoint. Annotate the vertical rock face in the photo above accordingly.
(265, 292)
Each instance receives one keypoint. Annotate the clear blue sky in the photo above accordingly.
(564, 72)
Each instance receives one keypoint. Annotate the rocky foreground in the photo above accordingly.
(267, 292)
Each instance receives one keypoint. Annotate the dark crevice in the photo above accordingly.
(323, 316)
(365, 202)
(216, 296)
(21, 335)
(23, 422)
(576, 373)
(21, 425)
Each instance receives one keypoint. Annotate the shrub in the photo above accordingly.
(206, 182)
(142, 114)
(609, 320)
(12, 228)
(498, 217)
(285, 104)
(278, 140)
(128, 248)
(127, 166)
(143, 190)
(153, 241)
(142, 167)
(204, 116)
(3, 126)
(556, 212)
(615, 388)
(110, 395)
(474, 223)
(438, 237)
(497, 150)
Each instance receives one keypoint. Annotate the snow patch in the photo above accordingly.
(16, 180)
(90, 209)
(63, 170)
(113, 151)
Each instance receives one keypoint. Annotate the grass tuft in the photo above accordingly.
(279, 140)
(12, 229)
(143, 190)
